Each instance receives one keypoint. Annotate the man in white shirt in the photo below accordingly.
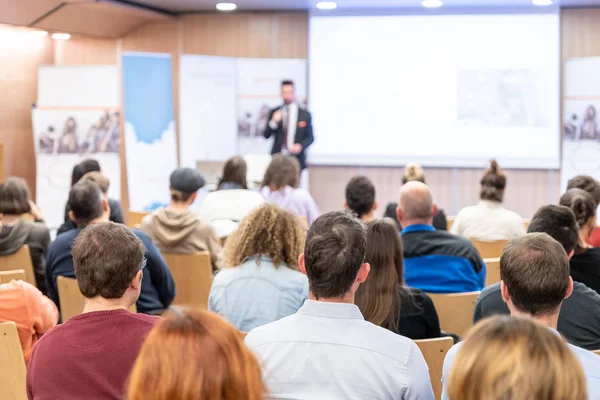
(535, 280)
(327, 350)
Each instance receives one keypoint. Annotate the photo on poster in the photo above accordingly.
(580, 120)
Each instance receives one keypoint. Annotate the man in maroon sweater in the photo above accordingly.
(91, 355)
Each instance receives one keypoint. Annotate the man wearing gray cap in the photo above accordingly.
(177, 229)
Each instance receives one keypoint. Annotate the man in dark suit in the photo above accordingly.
(291, 126)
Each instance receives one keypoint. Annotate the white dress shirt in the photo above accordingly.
(327, 351)
(488, 221)
(292, 111)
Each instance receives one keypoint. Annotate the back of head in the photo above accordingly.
(97, 178)
(377, 297)
(221, 367)
(582, 204)
(269, 231)
(360, 195)
(14, 197)
(86, 202)
(587, 183)
(413, 172)
(235, 171)
(558, 222)
(535, 271)
(335, 250)
(508, 358)
(282, 171)
(493, 183)
(79, 170)
(416, 202)
(184, 183)
(106, 257)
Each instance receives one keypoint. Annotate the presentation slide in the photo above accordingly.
(440, 90)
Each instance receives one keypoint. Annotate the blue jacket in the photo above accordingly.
(158, 287)
(440, 262)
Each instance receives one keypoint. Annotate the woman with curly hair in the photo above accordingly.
(260, 281)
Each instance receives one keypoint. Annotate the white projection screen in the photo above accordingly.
(440, 90)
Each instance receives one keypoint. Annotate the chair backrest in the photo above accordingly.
(489, 249)
(492, 271)
(12, 366)
(7, 276)
(455, 311)
(434, 351)
(450, 222)
(193, 278)
(596, 352)
(19, 260)
(526, 222)
(134, 219)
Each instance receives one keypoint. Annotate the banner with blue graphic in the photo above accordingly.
(150, 141)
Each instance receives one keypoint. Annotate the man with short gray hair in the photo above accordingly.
(435, 261)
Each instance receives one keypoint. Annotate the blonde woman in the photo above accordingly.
(260, 281)
(508, 358)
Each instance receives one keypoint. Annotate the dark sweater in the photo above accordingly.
(418, 317)
(439, 221)
(88, 357)
(585, 267)
(116, 215)
(158, 287)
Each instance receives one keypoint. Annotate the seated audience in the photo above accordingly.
(261, 281)
(327, 350)
(32, 312)
(591, 186)
(79, 170)
(414, 172)
(91, 355)
(195, 356)
(579, 320)
(16, 231)
(177, 229)
(89, 206)
(585, 263)
(232, 201)
(506, 358)
(360, 198)
(489, 221)
(535, 280)
(383, 299)
(435, 261)
(280, 186)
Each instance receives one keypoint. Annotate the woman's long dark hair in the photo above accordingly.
(235, 171)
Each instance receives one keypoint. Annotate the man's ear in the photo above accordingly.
(435, 209)
(346, 204)
(399, 213)
(504, 292)
(571, 254)
(136, 282)
(193, 197)
(569, 288)
(72, 216)
(375, 206)
(363, 272)
(301, 264)
(105, 205)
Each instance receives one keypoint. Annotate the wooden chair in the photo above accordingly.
(489, 249)
(193, 277)
(19, 260)
(243, 335)
(7, 276)
(526, 222)
(12, 366)
(450, 222)
(492, 271)
(134, 219)
(596, 352)
(455, 311)
(434, 351)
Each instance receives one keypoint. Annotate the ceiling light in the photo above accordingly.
(38, 33)
(226, 6)
(61, 36)
(432, 3)
(542, 2)
(326, 5)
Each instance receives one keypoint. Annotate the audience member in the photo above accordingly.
(579, 320)
(535, 280)
(232, 200)
(16, 231)
(90, 356)
(414, 172)
(360, 197)
(79, 170)
(507, 358)
(89, 206)
(591, 186)
(280, 186)
(585, 263)
(195, 356)
(383, 299)
(435, 261)
(177, 229)
(261, 281)
(32, 312)
(489, 221)
(354, 358)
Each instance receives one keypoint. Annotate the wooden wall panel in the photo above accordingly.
(86, 51)
(291, 32)
(580, 33)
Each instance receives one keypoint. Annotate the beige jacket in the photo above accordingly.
(181, 232)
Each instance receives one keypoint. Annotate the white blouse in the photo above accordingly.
(488, 221)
